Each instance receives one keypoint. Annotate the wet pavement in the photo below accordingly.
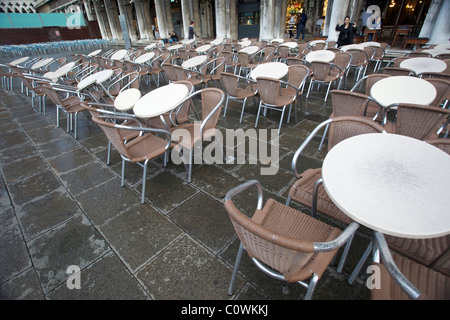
(61, 205)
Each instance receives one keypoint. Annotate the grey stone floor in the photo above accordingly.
(61, 205)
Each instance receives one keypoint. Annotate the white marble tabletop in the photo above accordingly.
(352, 46)
(217, 42)
(119, 55)
(290, 44)
(250, 49)
(98, 77)
(188, 41)
(370, 44)
(150, 46)
(390, 183)
(160, 100)
(194, 61)
(320, 55)
(62, 71)
(279, 40)
(434, 52)
(443, 46)
(203, 48)
(403, 89)
(313, 42)
(127, 99)
(276, 70)
(42, 63)
(94, 53)
(245, 43)
(19, 61)
(145, 57)
(175, 47)
(423, 64)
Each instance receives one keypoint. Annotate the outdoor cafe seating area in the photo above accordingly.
(361, 180)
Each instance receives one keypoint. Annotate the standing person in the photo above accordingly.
(301, 23)
(156, 33)
(192, 31)
(319, 24)
(346, 32)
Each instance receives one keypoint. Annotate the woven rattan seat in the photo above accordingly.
(322, 73)
(396, 71)
(237, 88)
(442, 91)
(289, 243)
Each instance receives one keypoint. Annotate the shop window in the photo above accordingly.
(249, 18)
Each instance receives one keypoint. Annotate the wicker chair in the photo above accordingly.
(212, 70)
(212, 101)
(359, 62)
(442, 91)
(404, 279)
(441, 143)
(321, 72)
(297, 75)
(230, 61)
(378, 57)
(140, 149)
(307, 189)
(273, 98)
(245, 61)
(397, 71)
(232, 84)
(342, 60)
(284, 243)
(417, 121)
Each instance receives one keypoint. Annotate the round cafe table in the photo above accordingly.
(127, 99)
(276, 70)
(94, 53)
(434, 52)
(19, 61)
(61, 72)
(175, 47)
(188, 41)
(216, 42)
(403, 89)
(42, 63)
(291, 44)
(119, 55)
(96, 78)
(390, 183)
(370, 44)
(423, 64)
(203, 49)
(245, 43)
(320, 55)
(150, 46)
(194, 61)
(352, 46)
(250, 49)
(144, 58)
(160, 100)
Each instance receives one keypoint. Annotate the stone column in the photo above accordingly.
(168, 9)
(186, 16)
(101, 20)
(195, 14)
(436, 26)
(113, 19)
(221, 19)
(162, 20)
(126, 10)
(338, 12)
(144, 25)
(267, 23)
(87, 9)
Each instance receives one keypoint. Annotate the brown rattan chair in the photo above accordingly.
(284, 243)
(322, 74)
(415, 54)
(441, 143)
(212, 71)
(236, 90)
(230, 61)
(404, 279)
(378, 57)
(417, 121)
(307, 189)
(359, 62)
(297, 75)
(190, 135)
(274, 98)
(397, 61)
(7, 77)
(246, 63)
(442, 91)
(342, 60)
(148, 145)
(397, 71)
(169, 71)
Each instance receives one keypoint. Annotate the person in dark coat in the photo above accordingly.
(346, 32)
(192, 31)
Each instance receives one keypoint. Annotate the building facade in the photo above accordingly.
(235, 19)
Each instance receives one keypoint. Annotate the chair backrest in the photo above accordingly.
(228, 55)
(399, 60)
(230, 83)
(318, 46)
(320, 70)
(297, 74)
(418, 121)
(379, 53)
(372, 79)
(442, 90)
(180, 73)
(269, 52)
(415, 54)
(345, 127)
(169, 71)
(269, 90)
(243, 59)
(283, 51)
(370, 51)
(443, 56)
(212, 101)
(303, 49)
(347, 103)
(441, 143)
(396, 71)
(113, 134)
(358, 57)
(342, 60)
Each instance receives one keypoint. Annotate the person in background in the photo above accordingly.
(301, 23)
(173, 37)
(291, 26)
(319, 24)
(157, 37)
(192, 31)
(346, 32)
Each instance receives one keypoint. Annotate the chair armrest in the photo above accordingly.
(339, 241)
(236, 190)
(304, 144)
